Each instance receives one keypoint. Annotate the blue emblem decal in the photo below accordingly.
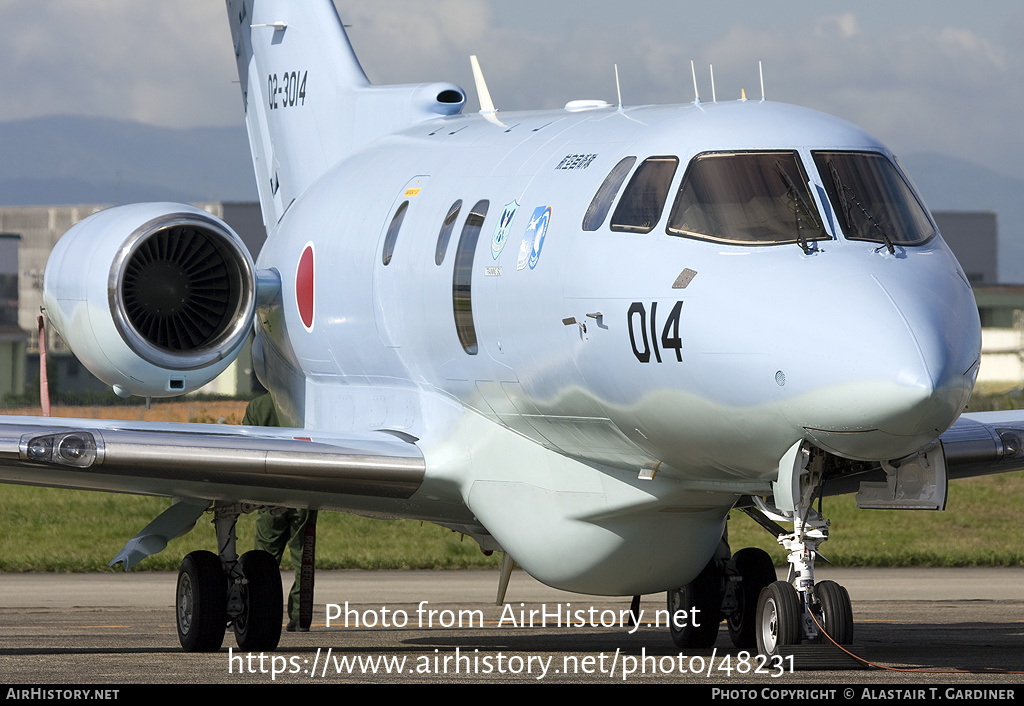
(501, 230)
(533, 240)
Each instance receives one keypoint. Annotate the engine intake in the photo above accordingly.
(178, 291)
(155, 299)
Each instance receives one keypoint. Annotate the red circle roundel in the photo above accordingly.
(304, 287)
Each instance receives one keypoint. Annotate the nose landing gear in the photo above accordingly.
(798, 610)
(778, 618)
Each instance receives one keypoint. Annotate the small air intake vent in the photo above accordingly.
(450, 96)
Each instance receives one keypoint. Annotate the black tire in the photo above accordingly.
(779, 614)
(757, 571)
(201, 602)
(258, 628)
(704, 594)
(836, 615)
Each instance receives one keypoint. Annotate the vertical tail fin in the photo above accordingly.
(296, 69)
(302, 85)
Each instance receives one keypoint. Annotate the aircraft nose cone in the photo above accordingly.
(946, 333)
(929, 395)
(902, 369)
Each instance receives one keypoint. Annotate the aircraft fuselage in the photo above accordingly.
(629, 351)
(765, 345)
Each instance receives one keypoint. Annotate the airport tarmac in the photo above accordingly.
(444, 626)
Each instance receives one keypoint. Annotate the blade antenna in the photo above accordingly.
(486, 104)
(761, 72)
(618, 88)
(714, 99)
(696, 94)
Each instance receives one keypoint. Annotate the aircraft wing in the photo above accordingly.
(287, 466)
(978, 444)
(205, 461)
(981, 443)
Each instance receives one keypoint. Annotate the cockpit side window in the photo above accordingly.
(602, 203)
(640, 207)
(872, 199)
(746, 198)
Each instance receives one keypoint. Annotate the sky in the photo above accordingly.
(924, 76)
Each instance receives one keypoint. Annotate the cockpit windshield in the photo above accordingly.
(872, 199)
(748, 198)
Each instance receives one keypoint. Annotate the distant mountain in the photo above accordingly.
(57, 191)
(75, 159)
(951, 184)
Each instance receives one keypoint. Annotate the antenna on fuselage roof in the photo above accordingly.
(618, 91)
(761, 72)
(696, 93)
(618, 88)
(714, 99)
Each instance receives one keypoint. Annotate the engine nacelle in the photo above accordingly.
(155, 299)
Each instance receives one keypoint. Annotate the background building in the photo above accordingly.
(973, 237)
(13, 338)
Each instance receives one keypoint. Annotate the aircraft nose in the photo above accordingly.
(902, 368)
(929, 393)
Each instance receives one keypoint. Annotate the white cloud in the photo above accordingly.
(845, 24)
(146, 61)
(924, 88)
(920, 80)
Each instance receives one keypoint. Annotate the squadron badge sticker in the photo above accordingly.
(533, 240)
(501, 230)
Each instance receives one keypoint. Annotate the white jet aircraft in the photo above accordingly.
(579, 336)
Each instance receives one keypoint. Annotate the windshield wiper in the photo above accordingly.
(797, 204)
(841, 190)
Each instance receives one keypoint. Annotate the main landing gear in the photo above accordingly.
(216, 592)
(742, 589)
(727, 588)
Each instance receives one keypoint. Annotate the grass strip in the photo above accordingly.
(45, 529)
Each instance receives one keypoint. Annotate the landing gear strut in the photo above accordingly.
(217, 592)
(797, 609)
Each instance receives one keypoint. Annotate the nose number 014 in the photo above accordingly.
(638, 328)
